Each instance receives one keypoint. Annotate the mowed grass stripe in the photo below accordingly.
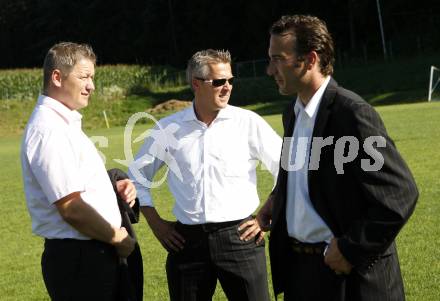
(414, 128)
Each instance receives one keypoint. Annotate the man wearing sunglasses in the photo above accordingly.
(215, 192)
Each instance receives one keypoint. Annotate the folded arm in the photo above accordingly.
(86, 220)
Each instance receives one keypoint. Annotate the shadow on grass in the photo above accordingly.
(397, 97)
(387, 98)
(271, 108)
(256, 95)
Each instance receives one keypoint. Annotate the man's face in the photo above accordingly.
(285, 66)
(77, 87)
(209, 96)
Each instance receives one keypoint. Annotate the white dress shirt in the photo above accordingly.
(303, 222)
(58, 159)
(212, 170)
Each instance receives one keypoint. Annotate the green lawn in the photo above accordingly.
(414, 127)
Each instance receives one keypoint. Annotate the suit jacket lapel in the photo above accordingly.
(324, 108)
(321, 123)
(318, 131)
(281, 188)
(291, 124)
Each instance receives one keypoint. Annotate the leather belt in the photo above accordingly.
(306, 248)
(210, 227)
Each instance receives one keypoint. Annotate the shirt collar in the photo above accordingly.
(70, 116)
(190, 114)
(225, 113)
(312, 107)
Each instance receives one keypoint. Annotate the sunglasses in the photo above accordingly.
(217, 82)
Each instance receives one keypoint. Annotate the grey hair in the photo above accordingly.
(63, 56)
(198, 64)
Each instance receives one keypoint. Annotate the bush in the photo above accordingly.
(112, 82)
(20, 84)
(121, 90)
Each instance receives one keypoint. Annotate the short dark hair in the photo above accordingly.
(310, 34)
(64, 56)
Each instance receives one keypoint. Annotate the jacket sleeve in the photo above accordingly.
(390, 191)
(115, 175)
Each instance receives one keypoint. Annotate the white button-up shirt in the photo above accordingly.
(58, 159)
(212, 170)
(303, 222)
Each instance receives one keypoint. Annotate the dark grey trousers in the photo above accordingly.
(211, 252)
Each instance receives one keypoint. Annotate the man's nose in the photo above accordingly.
(270, 70)
(227, 86)
(90, 85)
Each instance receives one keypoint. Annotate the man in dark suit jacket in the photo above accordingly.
(343, 192)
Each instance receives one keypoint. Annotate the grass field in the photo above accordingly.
(414, 127)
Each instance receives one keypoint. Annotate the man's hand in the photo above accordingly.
(123, 242)
(126, 191)
(335, 260)
(252, 228)
(260, 224)
(264, 215)
(164, 231)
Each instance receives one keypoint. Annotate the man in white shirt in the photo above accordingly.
(69, 195)
(212, 150)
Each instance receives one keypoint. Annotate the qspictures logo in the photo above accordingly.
(346, 149)
(159, 143)
(162, 143)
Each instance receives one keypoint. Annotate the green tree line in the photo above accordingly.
(168, 31)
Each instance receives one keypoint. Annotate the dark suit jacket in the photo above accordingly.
(131, 272)
(365, 210)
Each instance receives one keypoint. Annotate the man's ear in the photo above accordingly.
(312, 59)
(56, 78)
(195, 84)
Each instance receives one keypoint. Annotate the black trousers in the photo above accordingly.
(308, 278)
(211, 252)
(80, 269)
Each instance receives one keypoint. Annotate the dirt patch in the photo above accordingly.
(172, 105)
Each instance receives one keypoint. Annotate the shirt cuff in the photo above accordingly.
(145, 198)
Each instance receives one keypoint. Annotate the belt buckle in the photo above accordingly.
(296, 248)
(308, 250)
